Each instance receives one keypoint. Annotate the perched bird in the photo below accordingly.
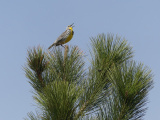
(65, 37)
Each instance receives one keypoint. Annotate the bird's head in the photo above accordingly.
(70, 26)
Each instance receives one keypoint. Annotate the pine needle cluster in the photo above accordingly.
(114, 87)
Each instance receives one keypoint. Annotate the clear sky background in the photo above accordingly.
(28, 23)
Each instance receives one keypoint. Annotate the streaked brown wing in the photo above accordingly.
(62, 37)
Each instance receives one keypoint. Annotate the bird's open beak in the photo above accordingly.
(72, 25)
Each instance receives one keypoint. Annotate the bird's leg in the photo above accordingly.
(62, 46)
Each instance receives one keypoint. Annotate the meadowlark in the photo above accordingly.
(65, 37)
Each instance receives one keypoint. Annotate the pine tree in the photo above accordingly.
(114, 87)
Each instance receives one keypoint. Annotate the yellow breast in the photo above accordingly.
(70, 36)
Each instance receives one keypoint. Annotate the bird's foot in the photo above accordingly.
(63, 46)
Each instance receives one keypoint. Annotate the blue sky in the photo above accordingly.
(29, 23)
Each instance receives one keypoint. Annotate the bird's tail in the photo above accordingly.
(52, 45)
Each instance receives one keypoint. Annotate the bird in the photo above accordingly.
(65, 37)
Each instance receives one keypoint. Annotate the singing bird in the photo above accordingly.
(65, 37)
